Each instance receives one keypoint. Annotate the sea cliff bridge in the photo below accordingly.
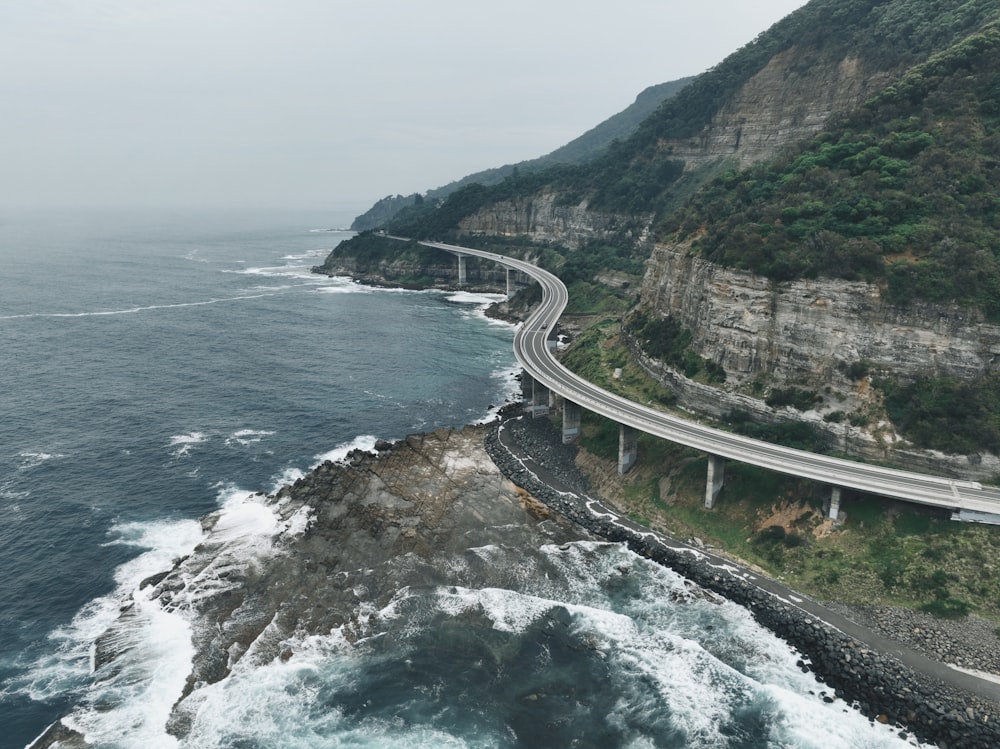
(968, 500)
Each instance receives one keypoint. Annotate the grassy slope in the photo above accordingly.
(884, 551)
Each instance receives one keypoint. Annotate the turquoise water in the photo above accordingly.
(157, 367)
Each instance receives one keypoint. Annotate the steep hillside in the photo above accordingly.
(865, 263)
(906, 192)
(820, 212)
(823, 60)
(577, 151)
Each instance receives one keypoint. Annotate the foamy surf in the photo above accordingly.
(246, 437)
(183, 443)
(70, 661)
(363, 442)
(582, 639)
(134, 310)
(154, 317)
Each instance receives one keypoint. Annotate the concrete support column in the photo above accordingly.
(461, 270)
(716, 478)
(628, 448)
(539, 399)
(835, 492)
(510, 282)
(571, 421)
(527, 385)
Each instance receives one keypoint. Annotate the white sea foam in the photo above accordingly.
(184, 442)
(509, 611)
(343, 285)
(301, 273)
(30, 459)
(134, 310)
(509, 391)
(245, 518)
(130, 704)
(282, 704)
(286, 702)
(481, 302)
(289, 475)
(6, 492)
(242, 536)
(743, 666)
(479, 299)
(307, 255)
(69, 660)
(365, 442)
(248, 436)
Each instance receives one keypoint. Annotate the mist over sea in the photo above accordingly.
(158, 366)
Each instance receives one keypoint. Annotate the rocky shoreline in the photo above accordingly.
(968, 643)
(411, 501)
(881, 686)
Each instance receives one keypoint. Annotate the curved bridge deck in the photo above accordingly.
(968, 500)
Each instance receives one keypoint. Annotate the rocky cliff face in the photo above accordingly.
(403, 271)
(808, 331)
(789, 100)
(807, 334)
(543, 218)
(804, 334)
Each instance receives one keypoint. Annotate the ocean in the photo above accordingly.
(156, 366)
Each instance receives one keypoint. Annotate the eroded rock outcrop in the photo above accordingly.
(808, 334)
(808, 331)
(789, 100)
(544, 217)
(327, 553)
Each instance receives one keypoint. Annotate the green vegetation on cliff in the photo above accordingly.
(641, 175)
(944, 413)
(903, 192)
(906, 191)
(667, 340)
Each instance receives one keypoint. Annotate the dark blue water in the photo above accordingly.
(157, 367)
(151, 363)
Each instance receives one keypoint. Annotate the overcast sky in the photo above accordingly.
(323, 102)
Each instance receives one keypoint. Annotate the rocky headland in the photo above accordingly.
(349, 535)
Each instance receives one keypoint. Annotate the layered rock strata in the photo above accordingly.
(544, 217)
(808, 334)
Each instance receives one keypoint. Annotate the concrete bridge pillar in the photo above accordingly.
(835, 492)
(571, 421)
(628, 448)
(539, 399)
(510, 282)
(461, 270)
(716, 478)
(527, 384)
